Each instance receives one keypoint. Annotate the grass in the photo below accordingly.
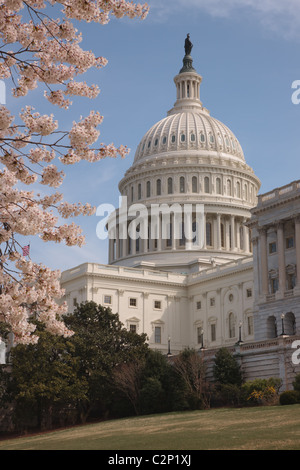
(259, 428)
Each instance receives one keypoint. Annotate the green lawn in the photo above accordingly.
(259, 428)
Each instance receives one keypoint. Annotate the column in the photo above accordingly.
(263, 261)
(238, 238)
(246, 238)
(281, 258)
(232, 233)
(218, 232)
(297, 241)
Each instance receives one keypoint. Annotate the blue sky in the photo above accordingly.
(248, 55)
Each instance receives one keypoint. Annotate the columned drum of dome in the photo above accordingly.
(187, 159)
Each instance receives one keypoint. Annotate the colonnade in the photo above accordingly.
(280, 247)
(210, 232)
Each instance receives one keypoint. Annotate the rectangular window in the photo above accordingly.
(250, 326)
(107, 299)
(132, 328)
(198, 305)
(289, 242)
(213, 332)
(74, 302)
(272, 247)
(199, 335)
(212, 302)
(132, 302)
(157, 304)
(249, 292)
(157, 334)
(274, 285)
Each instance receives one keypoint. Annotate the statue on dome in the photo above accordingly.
(188, 45)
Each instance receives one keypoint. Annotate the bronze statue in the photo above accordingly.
(188, 45)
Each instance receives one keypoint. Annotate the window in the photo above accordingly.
(173, 138)
(182, 184)
(157, 334)
(229, 188)
(289, 242)
(132, 302)
(148, 188)
(132, 328)
(231, 324)
(193, 137)
(164, 141)
(182, 137)
(198, 305)
(194, 184)
(139, 191)
(211, 139)
(157, 304)
(206, 184)
(274, 285)
(222, 236)
(170, 186)
(218, 186)
(199, 335)
(213, 332)
(250, 325)
(149, 143)
(272, 247)
(74, 302)
(156, 142)
(208, 234)
(107, 299)
(212, 302)
(249, 292)
(202, 137)
(158, 187)
(238, 189)
(132, 193)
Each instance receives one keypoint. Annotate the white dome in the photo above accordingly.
(189, 130)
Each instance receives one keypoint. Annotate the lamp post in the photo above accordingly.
(282, 324)
(169, 347)
(240, 334)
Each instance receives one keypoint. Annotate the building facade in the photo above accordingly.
(196, 258)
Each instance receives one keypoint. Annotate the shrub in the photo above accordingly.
(261, 391)
(290, 397)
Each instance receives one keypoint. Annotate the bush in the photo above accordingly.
(290, 397)
(261, 391)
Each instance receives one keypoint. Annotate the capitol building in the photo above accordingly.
(197, 257)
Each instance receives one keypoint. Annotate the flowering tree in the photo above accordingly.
(37, 50)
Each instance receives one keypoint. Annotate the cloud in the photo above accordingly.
(279, 16)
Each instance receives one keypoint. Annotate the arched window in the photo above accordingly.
(170, 186)
(182, 184)
(218, 186)
(194, 184)
(206, 184)
(289, 323)
(229, 190)
(182, 137)
(148, 188)
(202, 137)
(193, 137)
(231, 325)
(158, 187)
(238, 189)
(132, 193)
